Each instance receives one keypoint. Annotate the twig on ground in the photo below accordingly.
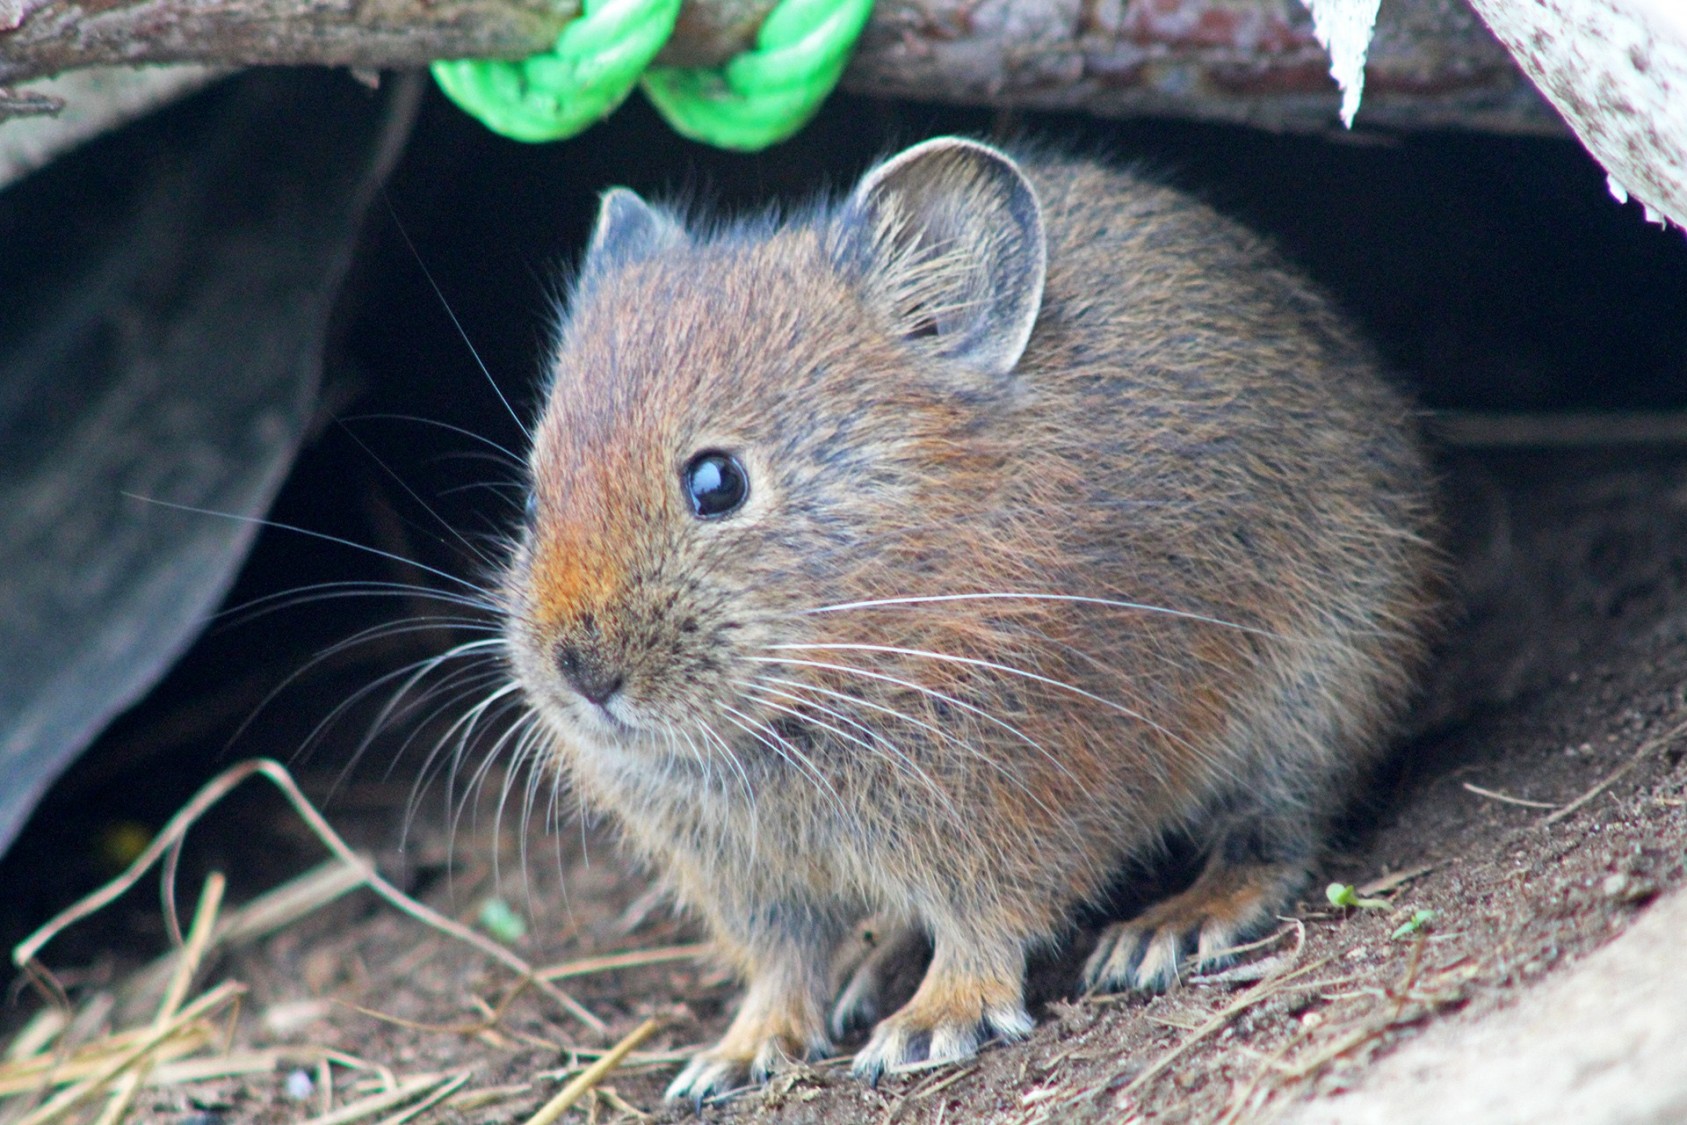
(631, 959)
(1506, 798)
(188, 1021)
(1646, 750)
(218, 787)
(192, 955)
(1385, 883)
(420, 1085)
(1259, 992)
(553, 1110)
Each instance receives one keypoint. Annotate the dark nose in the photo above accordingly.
(588, 674)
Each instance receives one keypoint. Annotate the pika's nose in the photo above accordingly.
(588, 674)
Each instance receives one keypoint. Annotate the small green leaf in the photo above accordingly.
(1346, 896)
(1412, 925)
(503, 923)
(1341, 894)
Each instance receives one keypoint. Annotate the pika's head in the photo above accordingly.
(750, 425)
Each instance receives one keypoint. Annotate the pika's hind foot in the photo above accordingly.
(1228, 905)
(957, 1009)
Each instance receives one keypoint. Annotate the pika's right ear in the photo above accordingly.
(629, 230)
(947, 240)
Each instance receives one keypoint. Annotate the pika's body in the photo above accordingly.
(935, 554)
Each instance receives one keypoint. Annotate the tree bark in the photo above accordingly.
(1432, 62)
(1617, 70)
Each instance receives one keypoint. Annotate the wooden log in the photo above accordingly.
(1617, 71)
(1432, 62)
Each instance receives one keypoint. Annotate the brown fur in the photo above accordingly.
(1189, 428)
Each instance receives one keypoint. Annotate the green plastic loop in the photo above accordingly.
(764, 95)
(591, 70)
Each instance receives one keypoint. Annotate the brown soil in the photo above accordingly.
(1563, 674)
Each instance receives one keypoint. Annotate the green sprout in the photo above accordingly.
(503, 923)
(1412, 925)
(1345, 895)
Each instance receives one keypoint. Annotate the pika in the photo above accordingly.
(932, 554)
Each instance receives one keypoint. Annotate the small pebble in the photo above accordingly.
(299, 1085)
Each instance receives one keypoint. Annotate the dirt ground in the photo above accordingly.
(1561, 680)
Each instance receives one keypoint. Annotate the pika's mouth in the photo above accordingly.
(613, 718)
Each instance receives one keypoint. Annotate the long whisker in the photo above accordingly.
(1110, 603)
(509, 459)
(451, 529)
(461, 731)
(458, 325)
(328, 591)
(904, 764)
(933, 693)
(711, 736)
(260, 521)
(786, 750)
(450, 749)
(990, 665)
(1006, 771)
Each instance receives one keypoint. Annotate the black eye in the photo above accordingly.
(715, 483)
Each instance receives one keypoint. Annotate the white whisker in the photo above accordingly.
(784, 748)
(911, 685)
(1005, 770)
(990, 665)
(903, 763)
(1109, 603)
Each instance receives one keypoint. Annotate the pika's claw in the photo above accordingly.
(705, 1076)
(1225, 907)
(720, 1068)
(904, 1039)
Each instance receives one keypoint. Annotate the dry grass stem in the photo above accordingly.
(445, 1089)
(631, 959)
(218, 787)
(1385, 883)
(553, 1110)
(36, 1036)
(188, 961)
(366, 1108)
(190, 1016)
(1523, 802)
(1646, 750)
(24, 1076)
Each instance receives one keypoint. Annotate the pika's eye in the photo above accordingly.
(715, 483)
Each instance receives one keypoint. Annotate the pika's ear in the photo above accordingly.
(947, 237)
(628, 229)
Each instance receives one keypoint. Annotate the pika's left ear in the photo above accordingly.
(628, 230)
(947, 239)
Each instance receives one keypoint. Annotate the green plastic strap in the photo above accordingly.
(758, 98)
(591, 70)
(764, 95)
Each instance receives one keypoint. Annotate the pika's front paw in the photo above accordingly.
(927, 1033)
(1226, 906)
(730, 1064)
